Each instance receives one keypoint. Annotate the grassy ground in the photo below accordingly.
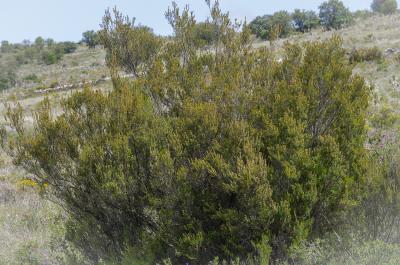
(32, 227)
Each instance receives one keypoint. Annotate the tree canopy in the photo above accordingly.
(90, 38)
(334, 15)
(272, 26)
(305, 20)
(384, 6)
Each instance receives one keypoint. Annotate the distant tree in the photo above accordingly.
(5, 46)
(259, 26)
(334, 15)
(386, 7)
(266, 26)
(91, 38)
(39, 43)
(282, 22)
(49, 42)
(26, 42)
(304, 20)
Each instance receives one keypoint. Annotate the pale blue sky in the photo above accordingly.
(67, 19)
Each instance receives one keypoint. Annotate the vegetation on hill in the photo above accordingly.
(42, 51)
(333, 15)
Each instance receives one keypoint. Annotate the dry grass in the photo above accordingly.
(31, 228)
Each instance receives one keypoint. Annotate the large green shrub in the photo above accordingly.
(223, 153)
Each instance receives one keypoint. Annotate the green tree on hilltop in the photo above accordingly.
(91, 38)
(304, 20)
(280, 23)
(384, 6)
(334, 15)
(39, 43)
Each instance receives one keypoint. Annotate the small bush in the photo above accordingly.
(49, 57)
(32, 78)
(365, 55)
(68, 47)
(7, 80)
(397, 57)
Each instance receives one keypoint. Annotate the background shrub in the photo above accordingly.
(366, 55)
(386, 7)
(7, 80)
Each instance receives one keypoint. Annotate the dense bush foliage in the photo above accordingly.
(223, 153)
(384, 6)
(334, 15)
